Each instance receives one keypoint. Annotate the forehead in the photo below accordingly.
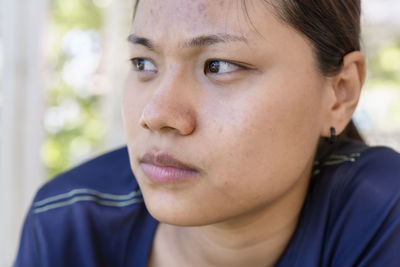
(169, 23)
(197, 17)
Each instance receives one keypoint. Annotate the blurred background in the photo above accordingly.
(62, 67)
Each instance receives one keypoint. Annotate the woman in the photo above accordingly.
(231, 114)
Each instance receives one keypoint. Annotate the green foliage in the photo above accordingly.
(76, 13)
(383, 88)
(72, 121)
(384, 66)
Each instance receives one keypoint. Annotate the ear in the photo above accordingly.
(344, 93)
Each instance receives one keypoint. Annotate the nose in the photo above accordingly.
(170, 109)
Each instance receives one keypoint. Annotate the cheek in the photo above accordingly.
(264, 144)
(132, 105)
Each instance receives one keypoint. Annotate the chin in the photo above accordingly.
(176, 213)
(173, 218)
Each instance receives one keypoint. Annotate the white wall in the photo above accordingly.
(22, 27)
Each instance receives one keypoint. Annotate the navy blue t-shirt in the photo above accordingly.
(94, 215)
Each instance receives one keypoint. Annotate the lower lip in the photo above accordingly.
(167, 175)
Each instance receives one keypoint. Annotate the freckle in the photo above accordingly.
(201, 8)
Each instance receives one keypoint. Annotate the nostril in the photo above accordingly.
(143, 122)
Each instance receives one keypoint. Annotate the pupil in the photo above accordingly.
(214, 66)
(140, 65)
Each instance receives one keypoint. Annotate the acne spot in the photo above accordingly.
(201, 7)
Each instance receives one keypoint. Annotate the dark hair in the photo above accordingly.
(333, 29)
(332, 26)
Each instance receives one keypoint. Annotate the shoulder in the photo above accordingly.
(369, 171)
(356, 172)
(102, 179)
(92, 213)
(364, 206)
(377, 171)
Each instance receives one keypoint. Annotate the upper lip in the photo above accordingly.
(163, 159)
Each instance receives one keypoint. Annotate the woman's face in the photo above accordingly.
(235, 97)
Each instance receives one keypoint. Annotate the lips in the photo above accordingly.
(161, 167)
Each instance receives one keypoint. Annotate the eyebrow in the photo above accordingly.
(207, 40)
(199, 41)
(141, 41)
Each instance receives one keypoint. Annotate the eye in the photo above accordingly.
(143, 65)
(220, 67)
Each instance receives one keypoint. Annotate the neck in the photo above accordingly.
(247, 244)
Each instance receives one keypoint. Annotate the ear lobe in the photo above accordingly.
(346, 86)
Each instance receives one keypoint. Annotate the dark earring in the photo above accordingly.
(332, 139)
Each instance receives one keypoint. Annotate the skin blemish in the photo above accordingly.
(201, 7)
